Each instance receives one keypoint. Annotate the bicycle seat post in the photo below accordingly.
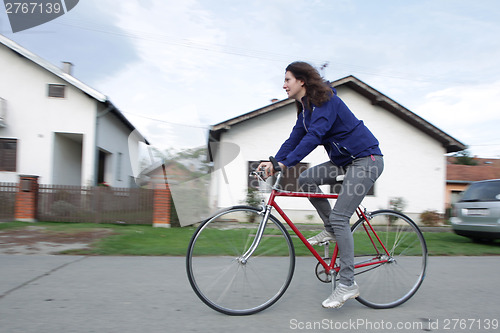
(327, 249)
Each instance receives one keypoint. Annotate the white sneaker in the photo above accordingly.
(341, 294)
(324, 236)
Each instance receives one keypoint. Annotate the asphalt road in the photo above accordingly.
(152, 294)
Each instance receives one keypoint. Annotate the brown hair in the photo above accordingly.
(318, 91)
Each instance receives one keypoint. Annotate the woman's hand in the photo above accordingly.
(267, 168)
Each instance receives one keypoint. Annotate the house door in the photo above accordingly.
(103, 168)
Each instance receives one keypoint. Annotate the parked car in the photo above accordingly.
(477, 213)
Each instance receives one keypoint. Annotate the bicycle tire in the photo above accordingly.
(224, 283)
(389, 284)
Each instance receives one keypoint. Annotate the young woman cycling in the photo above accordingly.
(324, 119)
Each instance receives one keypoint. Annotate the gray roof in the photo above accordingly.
(52, 68)
(66, 77)
(376, 98)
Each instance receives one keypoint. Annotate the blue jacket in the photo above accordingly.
(334, 126)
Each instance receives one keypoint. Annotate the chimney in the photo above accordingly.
(67, 67)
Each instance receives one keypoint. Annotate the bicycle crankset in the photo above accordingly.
(321, 273)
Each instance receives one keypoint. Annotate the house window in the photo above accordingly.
(289, 182)
(2, 111)
(8, 154)
(119, 167)
(57, 90)
(455, 196)
(335, 188)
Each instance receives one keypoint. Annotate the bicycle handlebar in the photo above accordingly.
(275, 163)
(279, 171)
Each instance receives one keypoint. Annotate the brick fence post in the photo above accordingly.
(27, 199)
(162, 202)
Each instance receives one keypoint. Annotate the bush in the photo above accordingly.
(431, 218)
(398, 204)
(252, 199)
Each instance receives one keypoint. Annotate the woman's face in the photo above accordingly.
(294, 88)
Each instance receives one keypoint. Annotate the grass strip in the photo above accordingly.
(143, 240)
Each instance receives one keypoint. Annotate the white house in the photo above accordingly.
(414, 152)
(58, 128)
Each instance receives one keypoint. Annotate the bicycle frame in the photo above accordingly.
(230, 282)
(329, 268)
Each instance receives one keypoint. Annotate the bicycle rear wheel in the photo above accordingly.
(397, 278)
(225, 283)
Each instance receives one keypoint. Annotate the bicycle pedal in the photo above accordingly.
(324, 243)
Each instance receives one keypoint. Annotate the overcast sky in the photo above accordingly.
(176, 67)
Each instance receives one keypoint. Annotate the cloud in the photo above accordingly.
(226, 58)
(154, 110)
(468, 112)
(463, 105)
(186, 72)
(173, 36)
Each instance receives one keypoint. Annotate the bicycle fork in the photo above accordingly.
(258, 237)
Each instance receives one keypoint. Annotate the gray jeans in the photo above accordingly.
(360, 176)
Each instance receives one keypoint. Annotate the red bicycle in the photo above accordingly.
(241, 260)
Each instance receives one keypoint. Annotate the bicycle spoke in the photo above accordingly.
(237, 286)
(394, 282)
(228, 286)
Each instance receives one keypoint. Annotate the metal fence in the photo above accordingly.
(95, 204)
(7, 201)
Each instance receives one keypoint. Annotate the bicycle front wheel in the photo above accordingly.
(391, 262)
(225, 282)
